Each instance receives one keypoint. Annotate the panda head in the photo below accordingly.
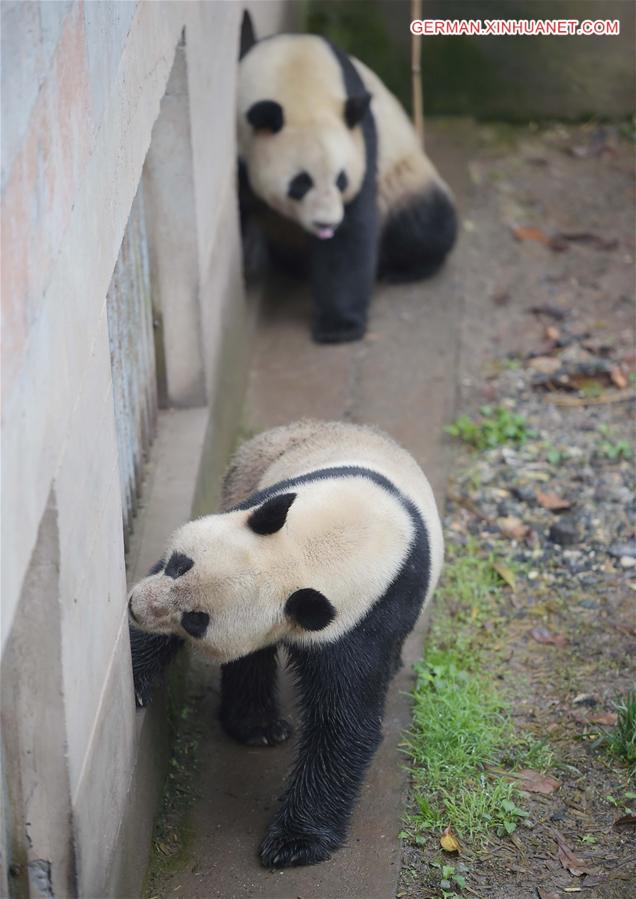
(306, 164)
(230, 584)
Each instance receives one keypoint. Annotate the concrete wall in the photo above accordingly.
(83, 86)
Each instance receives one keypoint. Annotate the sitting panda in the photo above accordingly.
(330, 547)
(333, 169)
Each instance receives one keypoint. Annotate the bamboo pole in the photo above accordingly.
(416, 74)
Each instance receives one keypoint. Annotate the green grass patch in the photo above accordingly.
(622, 738)
(610, 448)
(461, 728)
(495, 426)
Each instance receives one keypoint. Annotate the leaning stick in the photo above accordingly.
(416, 74)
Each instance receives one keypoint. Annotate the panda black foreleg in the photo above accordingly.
(343, 273)
(151, 654)
(249, 700)
(342, 701)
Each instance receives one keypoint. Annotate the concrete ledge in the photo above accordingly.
(168, 498)
(168, 487)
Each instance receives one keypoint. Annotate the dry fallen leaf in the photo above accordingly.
(625, 821)
(618, 378)
(555, 243)
(585, 237)
(568, 859)
(552, 501)
(536, 782)
(545, 365)
(531, 234)
(543, 635)
(512, 527)
(506, 574)
(448, 841)
(608, 718)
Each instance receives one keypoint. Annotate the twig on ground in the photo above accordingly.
(618, 396)
(467, 504)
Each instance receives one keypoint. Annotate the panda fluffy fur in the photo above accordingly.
(333, 169)
(330, 546)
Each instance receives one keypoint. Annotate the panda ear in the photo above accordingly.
(356, 108)
(266, 115)
(310, 609)
(272, 515)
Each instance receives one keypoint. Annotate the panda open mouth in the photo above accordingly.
(325, 233)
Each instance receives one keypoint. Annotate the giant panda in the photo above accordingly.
(332, 167)
(329, 547)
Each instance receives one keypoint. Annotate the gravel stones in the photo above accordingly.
(565, 532)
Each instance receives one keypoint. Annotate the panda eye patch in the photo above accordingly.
(195, 623)
(178, 565)
(342, 182)
(299, 185)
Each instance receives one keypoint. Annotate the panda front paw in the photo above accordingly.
(282, 849)
(332, 333)
(257, 732)
(151, 654)
(144, 690)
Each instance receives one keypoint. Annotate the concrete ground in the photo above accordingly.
(402, 379)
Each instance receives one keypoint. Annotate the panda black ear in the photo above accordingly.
(310, 609)
(248, 36)
(266, 115)
(356, 108)
(271, 516)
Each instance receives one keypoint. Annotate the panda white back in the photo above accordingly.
(293, 451)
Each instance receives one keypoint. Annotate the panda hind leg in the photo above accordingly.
(249, 709)
(417, 238)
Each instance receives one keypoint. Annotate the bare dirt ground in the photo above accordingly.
(547, 332)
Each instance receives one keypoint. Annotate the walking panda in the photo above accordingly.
(332, 167)
(330, 546)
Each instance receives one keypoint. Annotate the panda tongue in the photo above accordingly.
(325, 233)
